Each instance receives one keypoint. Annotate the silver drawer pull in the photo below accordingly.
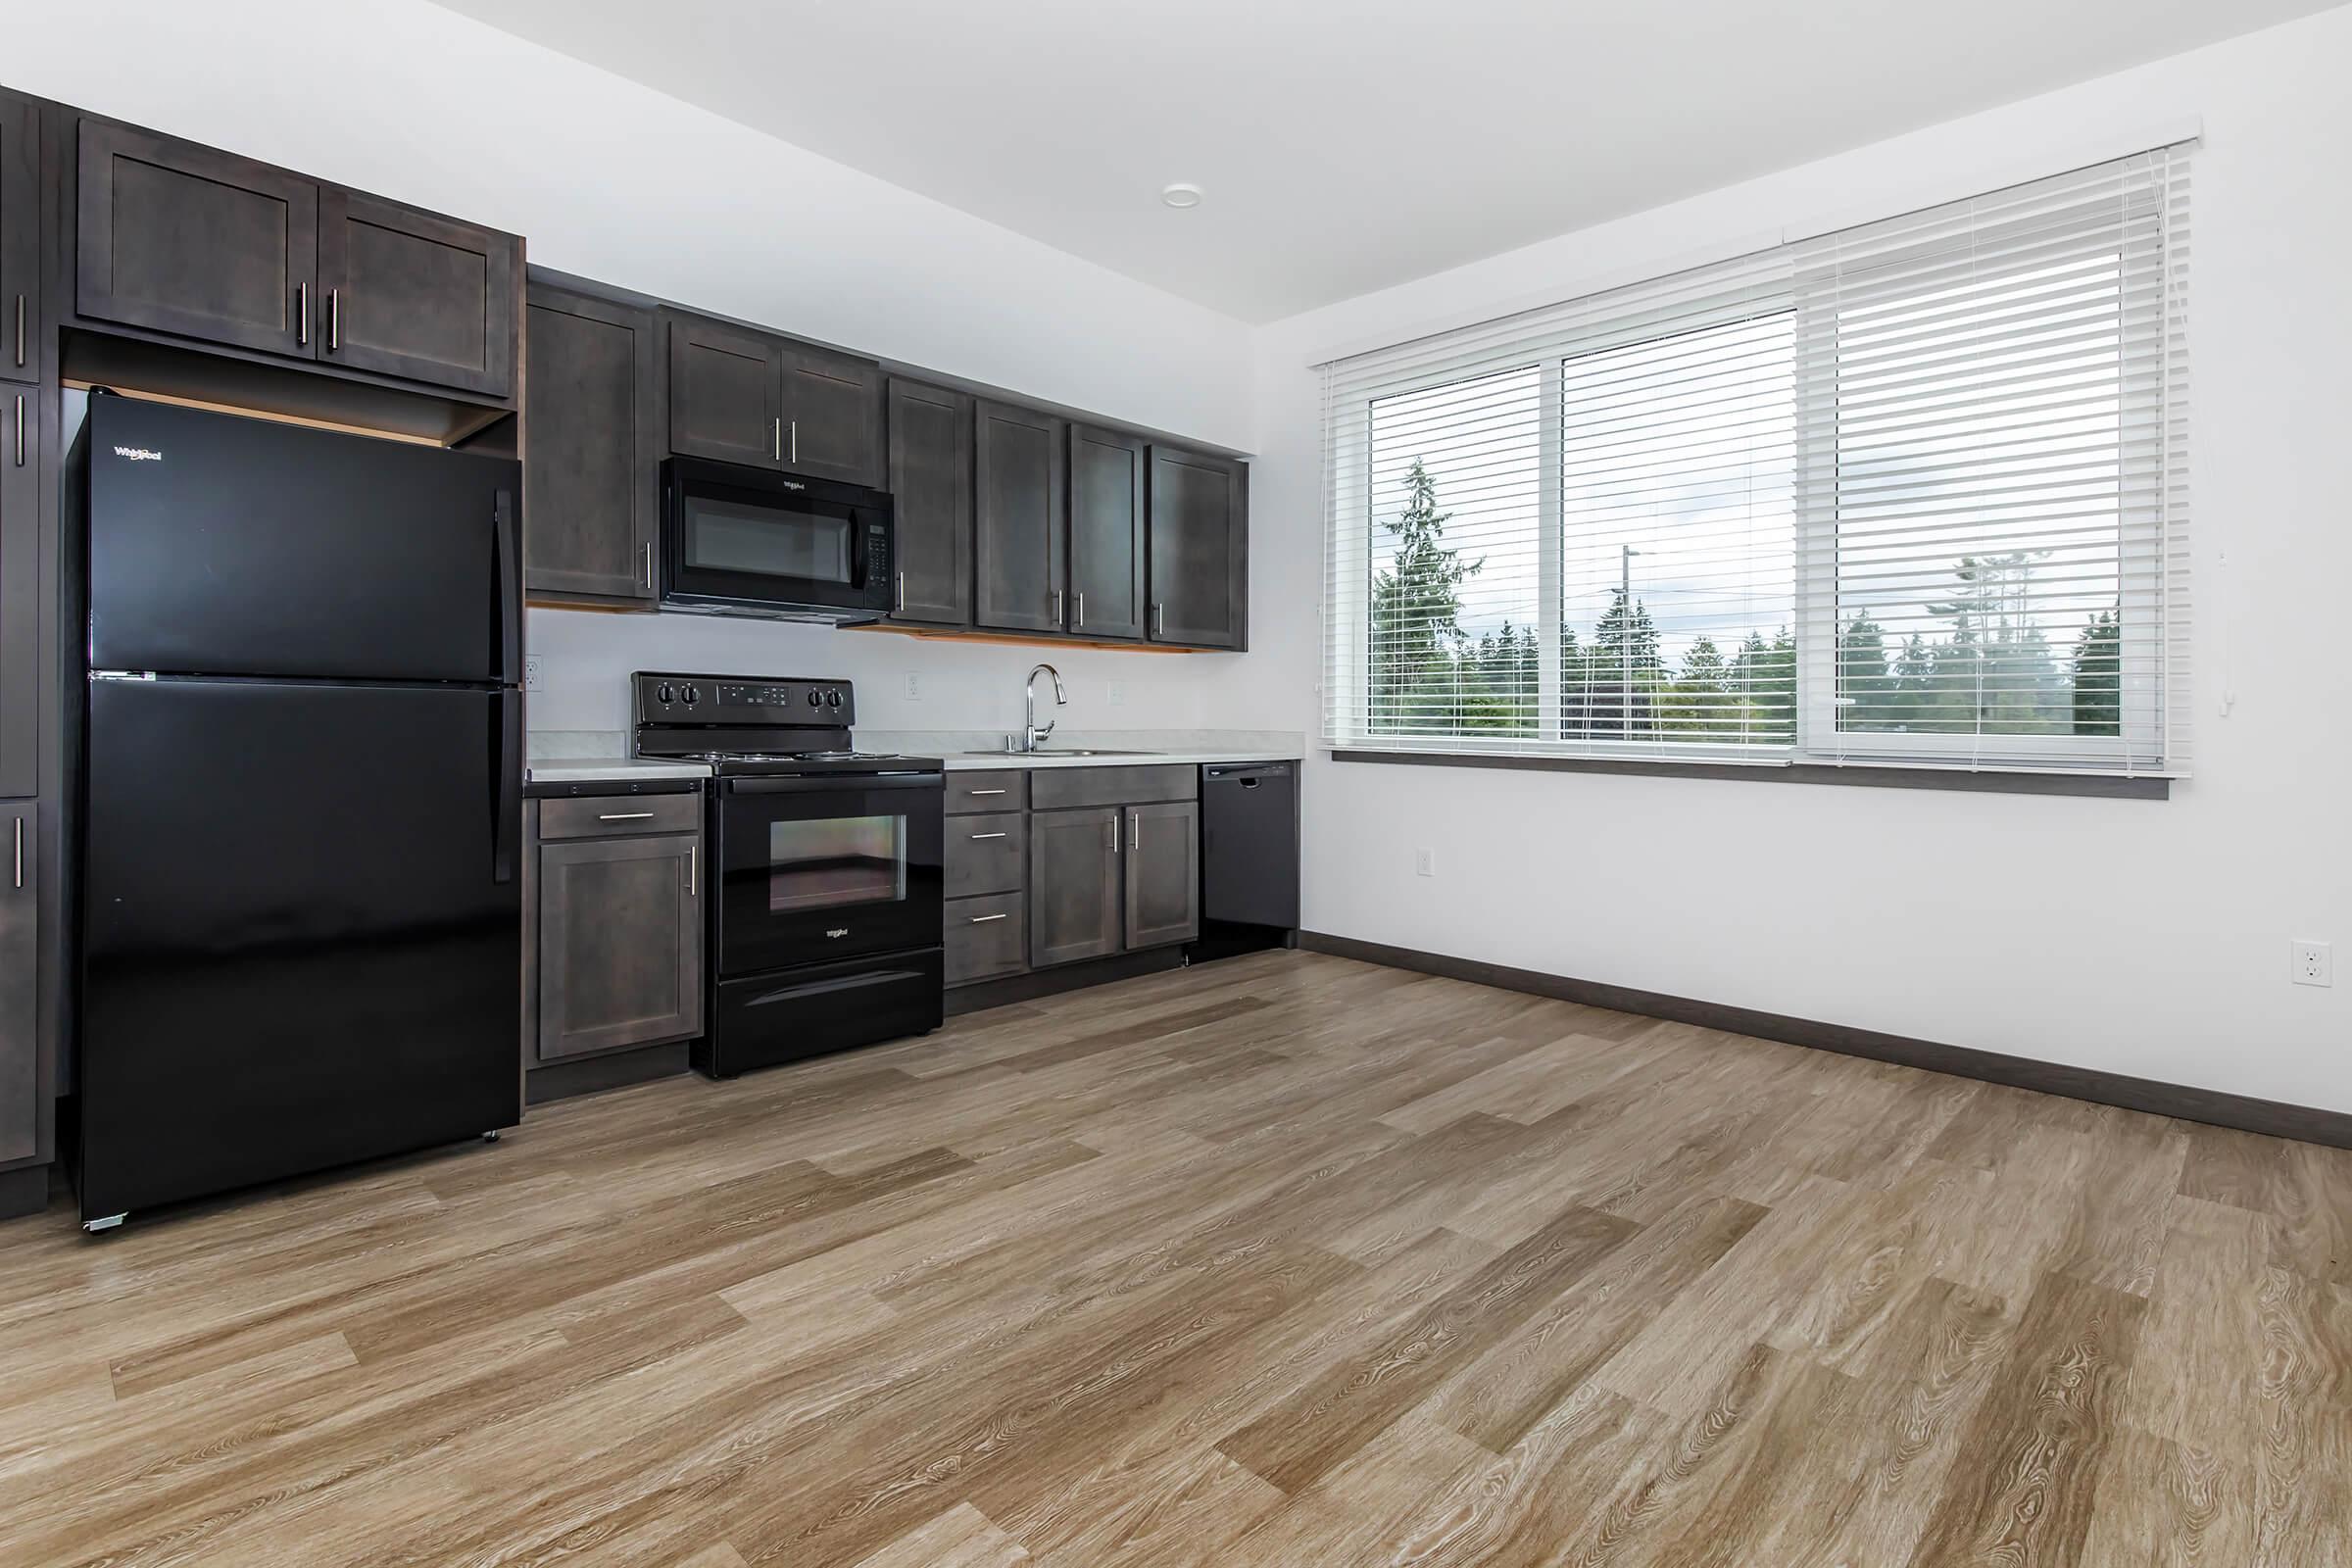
(983, 919)
(623, 816)
(988, 792)
(977, 837)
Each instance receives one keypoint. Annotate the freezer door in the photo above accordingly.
(297, 947)
(232, 546)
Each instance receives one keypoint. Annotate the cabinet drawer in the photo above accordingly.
(987, 855)
(1059, 788)
(987, 937)
(998, 790)
(620, 815)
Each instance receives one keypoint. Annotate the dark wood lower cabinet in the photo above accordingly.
(619, 943)
(20, 985)
(1163, 873)
(1076, 893)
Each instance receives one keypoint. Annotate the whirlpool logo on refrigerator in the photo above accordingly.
(140, 454)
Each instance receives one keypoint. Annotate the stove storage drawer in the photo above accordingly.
(987, 855)
(987, 937)
(607, 817)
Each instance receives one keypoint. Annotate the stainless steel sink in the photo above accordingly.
(1061, 750)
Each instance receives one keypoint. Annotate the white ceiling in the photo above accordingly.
(1344, 145)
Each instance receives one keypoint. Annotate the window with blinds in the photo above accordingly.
(1912, 494)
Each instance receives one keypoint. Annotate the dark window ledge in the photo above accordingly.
(2097, 786)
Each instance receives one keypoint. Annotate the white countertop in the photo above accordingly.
(589, 769)
(1047, 759)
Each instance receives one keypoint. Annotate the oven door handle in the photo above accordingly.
(814, 783)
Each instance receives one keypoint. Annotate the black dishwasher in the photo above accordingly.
(1249, 845)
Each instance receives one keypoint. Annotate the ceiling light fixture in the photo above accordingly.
(1180, 194)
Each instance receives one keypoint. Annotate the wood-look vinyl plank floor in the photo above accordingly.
(1284, 1262)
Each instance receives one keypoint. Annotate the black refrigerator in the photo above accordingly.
(300, 934)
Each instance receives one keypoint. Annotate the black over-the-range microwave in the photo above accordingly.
(742, 541)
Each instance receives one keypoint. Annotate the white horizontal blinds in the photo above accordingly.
(1485, 488)
(1990, 492)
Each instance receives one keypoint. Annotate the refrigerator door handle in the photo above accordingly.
(506, 790)
(509, 630)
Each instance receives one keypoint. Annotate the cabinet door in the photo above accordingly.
(19, 983)
(1199, 550)
(1020, 524)
(1075, 888)
(725, 393)
(931, 490)
(412, 294)
(832, 415)
(19, 240)
(1163, 873)
(620, 944)
(590, 471)
(21, 415)
(183, 240)
(1106, 533)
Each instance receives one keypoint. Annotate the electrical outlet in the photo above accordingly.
(914, 687)
(530, 672)
(1118, 694)
(2315, 963)
(1425, 862)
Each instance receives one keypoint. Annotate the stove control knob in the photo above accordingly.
(815, 699)
(693, 695)
(833, 698)
(667, 692)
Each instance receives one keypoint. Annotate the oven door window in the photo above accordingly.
(723, 534)
(835, 862)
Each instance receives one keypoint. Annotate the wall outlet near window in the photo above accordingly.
(914, 687)
(2315, 963)
(530, 672)
(1425, 862)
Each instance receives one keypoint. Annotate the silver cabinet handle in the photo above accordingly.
(19, 331)
(983, 919)
(977, 837)
(1160, 621)
(20, 852)
(334, 319)
(302, 313)
(19, 429)
(1081, 620)
(692, 851)
(1058, 617)
(649, 565)
(796, 440)
(779, 440)
(988, 792)
(1113, 825)
(1135, 830)
(622, 817)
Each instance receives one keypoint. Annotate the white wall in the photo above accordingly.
(2136, 937)
(615, 182)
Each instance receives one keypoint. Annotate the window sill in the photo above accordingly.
(2096, 786)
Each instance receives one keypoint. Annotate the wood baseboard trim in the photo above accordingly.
(25, 1190)
(2274, 1119)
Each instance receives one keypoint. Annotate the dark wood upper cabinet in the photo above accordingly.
(20, 241)
(412, 294)
(832, 414)
(930, 482)
(1106, 533)
(591, 450)
(725, 393)
(1075, 888)
(20, 591)
(1021, 523)
(620, 944)
(1199, 550)
(182, 239)
(1163, 873)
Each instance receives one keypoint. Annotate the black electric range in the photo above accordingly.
(825, 930)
